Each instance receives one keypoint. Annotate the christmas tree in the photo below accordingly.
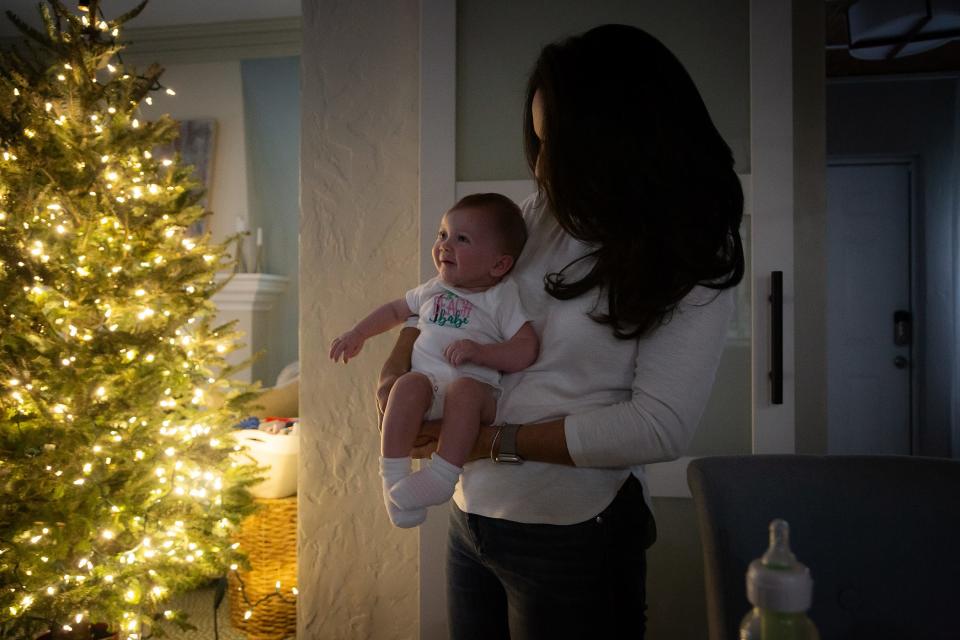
(118, 483)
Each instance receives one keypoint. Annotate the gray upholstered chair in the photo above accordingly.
(880, 534)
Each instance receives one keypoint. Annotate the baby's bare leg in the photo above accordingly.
(468, 404)
(409, 400)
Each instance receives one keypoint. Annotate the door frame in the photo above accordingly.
(917, 309)
(769, 190)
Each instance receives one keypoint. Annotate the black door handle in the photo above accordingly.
(776, 335)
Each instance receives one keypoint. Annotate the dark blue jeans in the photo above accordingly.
(509, 580)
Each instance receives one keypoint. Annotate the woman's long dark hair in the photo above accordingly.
(631, 164)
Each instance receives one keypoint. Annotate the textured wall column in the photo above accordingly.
(358, 575)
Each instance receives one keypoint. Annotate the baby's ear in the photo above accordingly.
(502, 266)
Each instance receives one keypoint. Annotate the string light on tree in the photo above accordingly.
(119, 490)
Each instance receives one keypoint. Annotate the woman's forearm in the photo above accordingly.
(398, 362)
(537, 442)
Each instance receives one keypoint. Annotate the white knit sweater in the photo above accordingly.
(625, 402)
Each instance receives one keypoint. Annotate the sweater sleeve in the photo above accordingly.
(510, 314)
(673, 377)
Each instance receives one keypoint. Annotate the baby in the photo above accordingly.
(472, 327)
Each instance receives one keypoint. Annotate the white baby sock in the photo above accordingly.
(392, 470)
(433, 484)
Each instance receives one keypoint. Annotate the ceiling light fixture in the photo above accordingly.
(887, 29)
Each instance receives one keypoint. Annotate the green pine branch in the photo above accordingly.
(118, 481)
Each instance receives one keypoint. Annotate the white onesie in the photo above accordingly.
(447, 314)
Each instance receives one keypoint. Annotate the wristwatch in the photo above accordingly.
(506, 453)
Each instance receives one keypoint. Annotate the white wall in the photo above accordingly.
(810, 227)
(359, 163)
(216, 90)
(499, 40)
(271, 90)
(213, 90)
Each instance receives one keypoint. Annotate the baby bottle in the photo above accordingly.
(780, 590)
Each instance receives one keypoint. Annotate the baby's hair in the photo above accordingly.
(508, 219)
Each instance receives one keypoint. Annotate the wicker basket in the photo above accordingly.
(269, 538)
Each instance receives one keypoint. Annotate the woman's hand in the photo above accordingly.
(397, 364)
(426, 442)
(481, 448)
(461, 352)
(427, 439)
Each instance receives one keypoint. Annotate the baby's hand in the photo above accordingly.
(346, 346)
(461, 352)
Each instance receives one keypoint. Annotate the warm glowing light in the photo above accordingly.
(113, 252)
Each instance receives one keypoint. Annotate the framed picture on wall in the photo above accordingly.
(196, 145)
